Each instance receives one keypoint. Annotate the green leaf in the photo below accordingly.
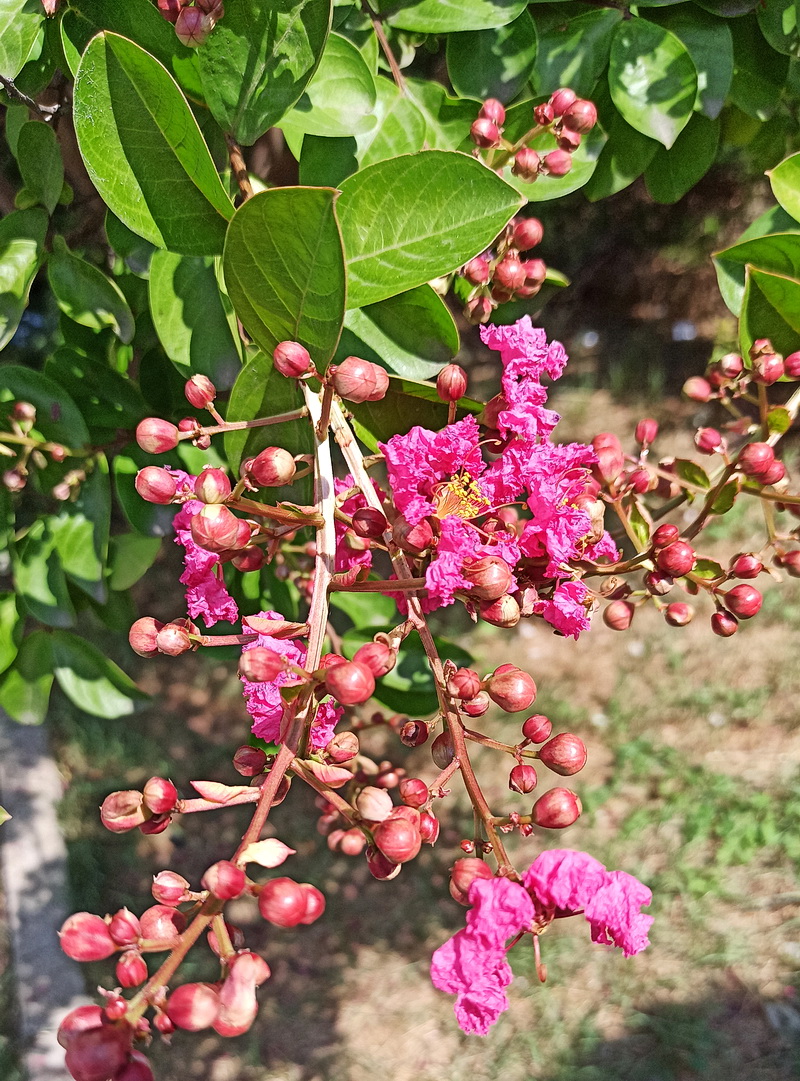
(640, 525)
(692, 473)
(770, 309)
(400, 127)
(409, 219)
(726, 498)
(284, 270)
(259, 59)
(449, 16)
(81, 531)
(412, 334)
(324, 163)
(144, 151)
(709, 43)
(779, 252)
(85, 294)
(409, 687)
(652, 79)
(758, 71)
(22, 236)
(191, 317)
(779, 419)
(39, 577)
(11, 627)
(584, 163)
(39, 158)
(780, 24)
(340, 99)
(625, 156)
(21, 22)
(573, 51)
(406, 403)
(4, 816)
(16, 117)
(365, 609)
(57, 416)
(107, 400)
(130, 556)
(135, 250)
(90, 680)
(708, 569)
(149, 518)
(728, 9)
(447, 120)
(673, 172)
(785, 182)
(260, 391)
(25, 690)
(493, 63)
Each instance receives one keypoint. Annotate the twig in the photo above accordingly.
(380, 34)
(239, 168)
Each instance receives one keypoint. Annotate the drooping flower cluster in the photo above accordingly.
(472, 964)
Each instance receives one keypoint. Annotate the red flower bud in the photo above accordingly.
(676, 559)
(261, 665)
(493, 110)
(557, 163)
(478, 310)
(398, 840)
(561, 99)
(282, 901)
(791, 561)
(377, 657)
(746, 565)
(160, 795)
(343, 747)
(724, 624)
(646, 431)
(85, 937)
(442, 750)
(451, 383)
(510, 273)
(235, 934)
(744, 601)
(199, 391)
(464, 683)
(249, 761)
(215, 528)
(657, 583)
(142, 636)
(155, 484)
(169, 888)
(484, 133)
(98, 1053)
(414, 734)
(526, 164)
(138, 1068)
(709, 441)
(156, 436)
(123, 811)
(350, 683)
(412, 538)
(315, 899)
(791, 366)
(463, 874)
(618, 615)
(414, 792)
(291, 359)
(351, 842)
(272, 468)
(730, 366)
(224, 879)
(773, 474)
(568, 140)
(131, 969)
(125, 928)
(194, 1006)
(156, 824)
(665, 534)
(537, 728)
(368, 522)
(374, 804)
(543, 114)
(504, 612)
(610, 458)
(79, 1020)
(171, 9)
(379, 866)
(212, 486)
(193, 26)
(526, 233)
(358, 380)
(428, 828)
(477, 706)
(512, 690)
(556, 809)
(580, 116)
(476, 271)
(678, 614)
(767, 368)
(564, 754)
(173, 639)
(522, 778)
(489, 577)
(163, 922)
(698, 389)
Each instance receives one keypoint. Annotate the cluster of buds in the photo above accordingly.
(22, 446)
(729, 378)
(503, 273)
(193, 19)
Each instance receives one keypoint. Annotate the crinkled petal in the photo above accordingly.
(500, 909)
(615, 916)
(206, 594)
(328, 716)
(564, 880)
(566, 611)
(477, 1011)
(263, 700)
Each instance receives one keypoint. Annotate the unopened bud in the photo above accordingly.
(698, 389)
(791, 562)
(85, 937)
(527, 233)
(374, 804)
(464, 683)
(557, 163)
(580, 116)
(215, 528)
(398, 840)
(478, 310)
(414, 539)
(544, 114)
(261, 665)
(791, 366)
(512, 690)
(282, 901)
(156, 436)
(414, 733)
(484, 133)
(568, 140)
(676, 559)
(723, 624)
(562, 99)
(171, 9)
(163, 922)
(618, 615)
(442, 750)
(537, 729)
(658, 584)
(200, 391)
(193, 26)
(564, 754)
(414, 792)
(379, 866)
(610, 458)
(160, 795)
(143, 634)
(522, 778)
(556, 809)
(212, 486)
(477, 706)
(678, 614)
(463, 874)
(125, 928)
(169, 888)
(451, 383)
(378, 657)
(709, 441)
(173, 639)
(510, 273)
(646, 431)
(526, 165)
(123, 811)
(343, 747)
(98, 1053)
(131, 969)
(358, 380)
(767, 368)
(350, 683)
(272, 468)
(493, 110)
(155, 484)
(224, 879)
(664, 535)
(746, 565)
(744, 601)
(504, 612)
(489, 577)
(194, 1006)
(369, 522)
(291, 359)
(476, 271)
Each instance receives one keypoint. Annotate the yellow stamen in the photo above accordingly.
(459, 496)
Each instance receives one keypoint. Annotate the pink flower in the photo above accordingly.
(264, 702)
(346, 558)
(206, 594)
(566, 610)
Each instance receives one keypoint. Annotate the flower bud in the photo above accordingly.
(193, 26)
(125, 928)
(155, 484)
(282, 901)
(123, 811)
(504, 612)
(526, 165)
(463, 874)
(791, 562)
(131, 969)
(709, 441)
(510, 273)
(564, 754)
(170, 9)
(646, 431)
(224, 879)
(658, 584)
(85, 937)
(368, 522)
(377, 656)
(493, 110)
(537, 728)
(746, 565)
(543, 114)
(414, 734)
(414, 792)
(98, 1053)
(173, 639)
(379, 866)
(476, 271)
(215, 528)
(451, 383)
(484, 133)
(116, 1006)
(315, 899)
(156, 824)
(291, 359)
(163, 922)
(79, 1020)
(731, 365)
(512, 690)
(249, 761)
(618, 615)
(143, 634)
(212, 486)
(526, 233)
(665, 535)
(610, 458)
(767, 368)
(773, 474)
(261, 665)
(358, 380)
(478, 310)
(557, 163)
(568, 140)
(562, 99)
(522, 778)
(199, 391)
(676, 559)
(414, 539)
(791, 366)
(477, 706)
(349, 842)
(442, 750)
(698, 389)
(556, 809)
(428, 828)
(489, 577)
(235, 934)
(398, 840)
(160, 795)
(169, 888)
(350, 683)
(194, 1006)
(343, 747)
(464, 683)
(138, 1068)
(723, 624)
(272, 468)
(374, 804)
(744, 601)
(678, 614)
(156, 436)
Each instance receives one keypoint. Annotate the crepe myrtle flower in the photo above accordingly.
(472, 964)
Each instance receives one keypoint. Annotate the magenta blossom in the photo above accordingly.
(206, 594)
(264, 702)
(346, 559)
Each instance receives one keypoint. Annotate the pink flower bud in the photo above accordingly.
(451, 383)
(512, 690)
(442, 750)
(556, 809)
(414, 539)
(131, 969)
(618, 615)
(658, 584)
(526, 165)
(350, 683)
(537, 728)
(315, 902)
(522, 778)
(478, 310)
(730, 366)
(756, 458)
(665, 535)
(155, 484)
(194, 1006)
(163, 923)
(564, 754)
(212, 486)
(125, 928)
(343, 747)
(193, 26)
(116, 1006)
(169, 888)
(464, 683)
(562, 99)
(568, 140)
(173, 639)
(791, 365)
(610, 458)
(261, 665)
(510, 273)
(646, 431)
(676, 559)
(224, 879)
(374, 804)
(414, 734)
(463, 874)
(775, 473)
(477, 706)
(291, 359)
(156, 824)
(142, 636)
(200, 391)
(215, 528)
(171, 9)
(352, 842)
(249, 761)
(504, 612)
(79, 1020)
(526, 233)
(698, 389)
(138, 1068)
(272, 468)
(484, 133)
(85, 937)
(709, 441)
(358, 380)
(744, 601)
(398, 840)
(493, 110)
(156, 436)
(369, 522)
(414, 792)
(476, 271)
(489, 577)
(282, 901)
(160, 795)
(791, 562)
(678, 614)
(123, 811)
(98, 1053)
(557, 163)
(723, 624)
(428, 828)
(746, 565)
(377, 657)
(544, 114)
(379, 866)
(580, 116)
(767, 368)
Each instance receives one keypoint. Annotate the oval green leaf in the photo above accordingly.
(574, 51)
(22, 236)
(493, 63)
(709, 42)
(25, 690)
(87, 296)
(90, 680)
(770, 309)
(779, 252)
(340, 98)
(673, 172)
(39, 577)
(780, 24)
(21, 22)
(450, 16)
(39, 158)
(81, 530)
(785, 181)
